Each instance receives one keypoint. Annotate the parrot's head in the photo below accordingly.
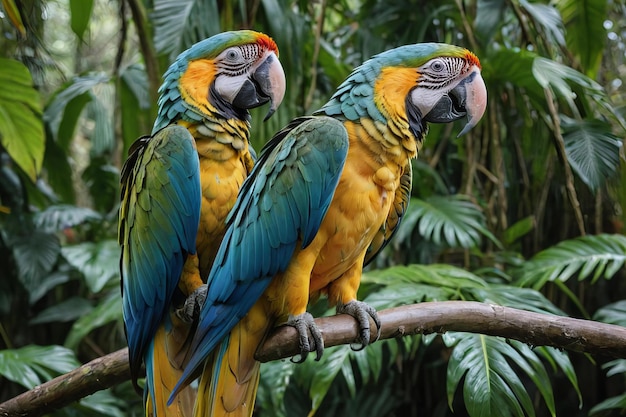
(413, 85)
(226, 74)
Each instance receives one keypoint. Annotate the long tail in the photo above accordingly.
(162, 373)
(230, 379)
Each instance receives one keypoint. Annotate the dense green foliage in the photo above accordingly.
(524, 211)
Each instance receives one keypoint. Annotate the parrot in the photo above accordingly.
(324, 197)
(177, 186)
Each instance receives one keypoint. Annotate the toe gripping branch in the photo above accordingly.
(304, 323)
(190, 311)
(361, 313)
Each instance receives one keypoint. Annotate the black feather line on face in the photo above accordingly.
(225, 108)
(417, 125)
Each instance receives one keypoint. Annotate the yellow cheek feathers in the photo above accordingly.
(392, 88)
(194, 84)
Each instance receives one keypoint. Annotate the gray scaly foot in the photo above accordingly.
(362, 313)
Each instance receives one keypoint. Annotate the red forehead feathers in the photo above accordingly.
(267, 43)
(472, 59)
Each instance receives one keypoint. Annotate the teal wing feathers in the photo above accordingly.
(159, 216)
(396, 213)
(280, 206)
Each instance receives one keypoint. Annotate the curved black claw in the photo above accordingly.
(304, 324)
(190, 311)
(362, 313)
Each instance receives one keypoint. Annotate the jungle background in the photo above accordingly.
(527, 210)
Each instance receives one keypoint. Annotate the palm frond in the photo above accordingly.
(592, 150)
(587, 257)
(29, 365)
(453, 220)
(491, 386)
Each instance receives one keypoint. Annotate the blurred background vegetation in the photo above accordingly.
(527, 210)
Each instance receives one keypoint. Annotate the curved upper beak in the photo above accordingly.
(270, 78)
(468, 98)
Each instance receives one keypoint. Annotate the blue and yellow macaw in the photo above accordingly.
(178, 186)
(324, 197)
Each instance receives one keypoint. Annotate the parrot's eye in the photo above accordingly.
(437, 65)
(233, 55)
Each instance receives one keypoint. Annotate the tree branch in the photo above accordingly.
(433, 317)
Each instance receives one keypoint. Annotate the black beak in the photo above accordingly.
(468, 98)
(267, 84)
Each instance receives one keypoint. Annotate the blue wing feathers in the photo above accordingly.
(161, 202)
(281, 203)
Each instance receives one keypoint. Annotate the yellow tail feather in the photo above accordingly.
(166, 374)
(230, 379)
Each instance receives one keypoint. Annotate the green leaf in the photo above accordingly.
(81, 12)
(332, 363)
(108, 310)
(489, 15)
(178, 25)
(100, 110)
(98, 262)
(64, 110)
(548, 19)
(559, 360)
(58, 217)
(27, 365)
(415, 283)
(103, 403)
(275, 378)
(491, 386)
(585, 257)
(518, 229)
(584, 22)
(452, 220)
(552, 74)
(610, 407)
(35, 255)
(21, 127)
(67, 310)
(135, 108)
(614, 313)
(516, 297)
(50, 281)
(615, 367)
(592, 150)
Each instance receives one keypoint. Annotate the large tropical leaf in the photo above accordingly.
(453, 220)
(58, 217)
(398, 285)
(81, 13)
(35, 255)
(179, 24)
(491, 385)
(612, 405)
(97, 261)
(67, 310)
(108, 310)
(566, 81)
(587, 257)
(592, 150)
(65, 108)
(614, 313)
(21, 127)
(135, 106)
(584, 21)
(548, 20)
(30, 364)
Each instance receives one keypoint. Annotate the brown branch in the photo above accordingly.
(436, 317)
(99, 374)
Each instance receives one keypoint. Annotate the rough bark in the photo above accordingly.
(436, 317)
